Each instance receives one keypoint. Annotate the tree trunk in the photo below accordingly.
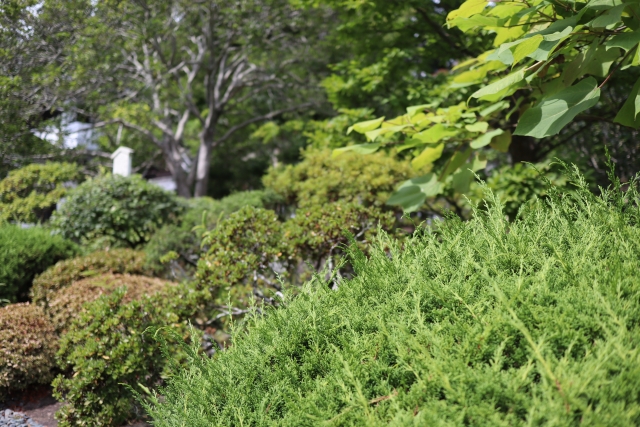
(202, 169)
(178, 174)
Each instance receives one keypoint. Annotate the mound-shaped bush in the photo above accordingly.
(25, 253)
(116, 261)
(127, 210)
(30, 194)
(67, 303)
(321, 178)
(28, 345)
(111, 348)
(483, 323)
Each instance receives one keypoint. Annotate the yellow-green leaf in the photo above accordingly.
(526, 48)
(363, 127)
(500, 85)
(428, 156)
(485, 139)
(435, 133)
(477, 127)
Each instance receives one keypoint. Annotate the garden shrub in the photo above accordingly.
(110, 350)
(24, 253)
(67, 303)
(125, 209)
(30, 194)
(115, 261)
(482, 323)
(320, 178)
(182, 241)
(28, 346)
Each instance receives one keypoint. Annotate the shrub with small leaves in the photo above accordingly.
(320, 178)
(67, 303)
(127, 209)
(182, 241)
(110, 350)
(30, 194)
(28, 344)
(115, 261)
(24, 253)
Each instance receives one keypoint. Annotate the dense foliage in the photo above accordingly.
(483, 322)
(125, 209)
(63, 274)
(320, 179)
(30, 194)
(27, 347)
(112, 349)
(174, 250)
(25, 253)
(66, 304)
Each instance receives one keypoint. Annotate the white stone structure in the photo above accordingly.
(122, 161)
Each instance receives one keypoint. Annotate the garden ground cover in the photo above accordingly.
(477, 323)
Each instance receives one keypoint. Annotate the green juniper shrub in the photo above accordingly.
(28, 346)
(320, 178)
(67, 303)
(30, 194)
(63, 274)
(484, 323)
(109, 351)
(124, 209)
(24, 253)
(174, 250)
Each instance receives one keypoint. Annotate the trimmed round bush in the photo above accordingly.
(67, 303)
(28, 345)
(479, 323)
(115, 261)
(112, 348)
(30, 194)
(126, 209)
(25, 253)
(321, 178)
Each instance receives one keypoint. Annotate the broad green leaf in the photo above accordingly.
(628, 114)
(457, 160)
(477, 127)
(428, 156)
(602, 4)
(412, 193)
(467, 9)
(435, 133)
(461, 180)
(499, 85)
(373, 134)
(553, 113)
(626, 41)
(498, 106)
(465, 24)
(485, 139)
(360, 149)
(501, 142)
(363, 127)
(412, 111)
(526, 48)
(579, 65)
(602, 61)
(609, 17)
(412, 143)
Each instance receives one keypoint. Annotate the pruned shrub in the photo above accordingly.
(321, 178)
(67, 303)
(24, 253)
(116, 261)
(174, 250)
(111, 348)
(484, 323)
(28, 345)
(125, 209)
(30, 194)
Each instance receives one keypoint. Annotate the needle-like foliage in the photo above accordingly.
(480, 323)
